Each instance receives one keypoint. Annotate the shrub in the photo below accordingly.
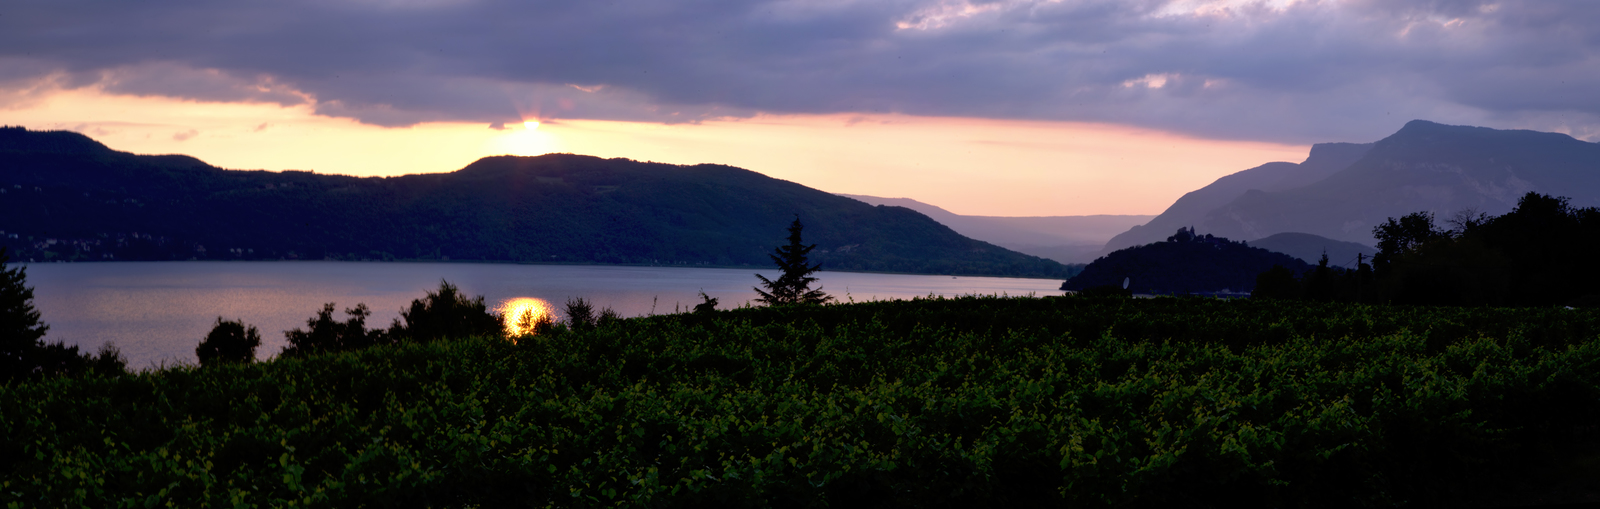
(326, 335)
(446, 313)
(229, 341)
(581, 315)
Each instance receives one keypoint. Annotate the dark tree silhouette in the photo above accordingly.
(1407, 234)
(580, 313)
(325, 335)
(446, 313)
(23, 352)
(709, 304)
(1540, 254)
(794, 285)
(229, 342)
(1187, 263)
(21, 332)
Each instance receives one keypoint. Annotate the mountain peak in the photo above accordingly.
(1428, 131)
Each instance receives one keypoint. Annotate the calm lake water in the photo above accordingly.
(157, 312)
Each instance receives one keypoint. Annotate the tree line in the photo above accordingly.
(1542, 253)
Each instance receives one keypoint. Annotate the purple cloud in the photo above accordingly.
(1279, 71)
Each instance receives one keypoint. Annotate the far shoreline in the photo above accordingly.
(26, 263)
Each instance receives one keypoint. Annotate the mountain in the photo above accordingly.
(1066, 239)
(1425, 166)
(1184, 263)
(69, 197)
(1343, 191)
(1325, 160)
(1310, 248)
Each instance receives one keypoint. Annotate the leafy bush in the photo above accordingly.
(446, 313)
(325, 335)
(230, 341)
(581, 316)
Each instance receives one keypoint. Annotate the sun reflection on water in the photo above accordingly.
(523, 313)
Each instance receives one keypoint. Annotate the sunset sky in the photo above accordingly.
(982, 107)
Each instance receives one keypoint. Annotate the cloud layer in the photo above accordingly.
(1282, 71)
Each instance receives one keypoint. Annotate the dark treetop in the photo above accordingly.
(794, 285)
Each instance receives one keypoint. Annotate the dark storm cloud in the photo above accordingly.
(1280, 71)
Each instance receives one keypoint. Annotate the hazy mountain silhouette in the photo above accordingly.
(1310, 248)
(1424, 167)
(1343, 191)
(96, 203)
(1325, 159)
(1066, 239)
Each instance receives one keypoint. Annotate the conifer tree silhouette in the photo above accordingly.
(794, 285)
(21, 332)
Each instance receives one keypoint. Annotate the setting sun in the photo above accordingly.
(531, 124)
(523, 313)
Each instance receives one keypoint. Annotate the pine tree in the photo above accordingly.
(793, 286)
(21, 333)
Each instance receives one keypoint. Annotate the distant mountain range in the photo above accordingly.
(67, 197)
(1066, 239)
(1310, 249)
(1342, 191)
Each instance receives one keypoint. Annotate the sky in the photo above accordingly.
(1002, 107)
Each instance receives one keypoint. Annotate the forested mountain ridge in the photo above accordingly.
(1185, 263)
(69, 197)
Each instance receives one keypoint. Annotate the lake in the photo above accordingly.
(157, 312)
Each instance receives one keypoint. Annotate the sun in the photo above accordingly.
(531, 124)
(522, 314)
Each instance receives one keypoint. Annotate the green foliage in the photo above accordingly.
(446, 313)
(232, 341)
(794, 284)
(1066, 401)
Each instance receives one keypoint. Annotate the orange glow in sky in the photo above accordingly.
(968, 166)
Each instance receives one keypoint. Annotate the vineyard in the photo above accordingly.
(978, 401)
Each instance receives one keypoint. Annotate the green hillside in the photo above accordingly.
(70, 198)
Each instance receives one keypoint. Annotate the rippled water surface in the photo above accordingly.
(156, 312)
